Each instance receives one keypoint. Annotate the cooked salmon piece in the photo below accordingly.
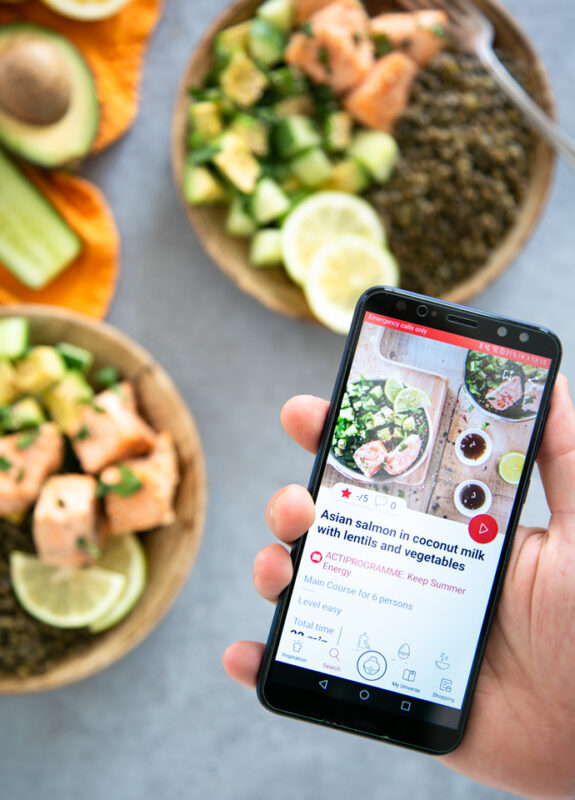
(382, 96)
(533, 393)
(336, 50)
(506, 394)
(108, 429)
(152, 504)
(305, 8)
(65, 523)
(420, 35)
(370, 456)
(26, 460)
(404, 455)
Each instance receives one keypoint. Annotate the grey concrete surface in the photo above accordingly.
(165, 723)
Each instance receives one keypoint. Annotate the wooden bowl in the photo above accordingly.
(272, 287)
(171, 551)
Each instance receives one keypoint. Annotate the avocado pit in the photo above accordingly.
(35, 87)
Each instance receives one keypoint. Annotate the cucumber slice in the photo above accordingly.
(14, 336)
(26, 413)
(36, 244)
(266, 248)
(269, 201)
(280, 13)
(66, 400)
(42, 367)
(266, 43)
(378, 152)
(239, 222)
(294, 134)
(201, 188)
(349, 176)
(312, 167)
(287, 82)
(338, 131)
(75, 357)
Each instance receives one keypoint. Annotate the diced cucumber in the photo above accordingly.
(349, 176)
(76, 357)
(36, 243)
(313, 167)
(26, 413)
(8, 383)
(266, 43)
(242, 81)
(377, 151)
(338, 131)
(280, 13)
(269, 201)
(14, 336)
(66, 400)
(205, 120)
(254, 133)
(237, 163)
(41, 368)
(266, 248)
(239, 222)
(287, 82)
(230, 40)
(293, 135)
(201, 188)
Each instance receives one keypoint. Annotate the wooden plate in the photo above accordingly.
(272, 287)
(171, 551)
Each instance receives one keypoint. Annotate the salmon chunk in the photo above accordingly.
(506, 394)
(336, 50)
(152, 504)
(65, 526)
(109, 429)
(420, 35)
(382, 96)
(26, 460)
(370, 456)
(404, 455)
(305, 8)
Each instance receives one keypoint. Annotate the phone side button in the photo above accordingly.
(364, 694)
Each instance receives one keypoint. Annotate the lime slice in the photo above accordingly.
(318, 220)
(125, 555)
(411, 399)
(393, 387)
(85, 9)
(511, 467)
(65, 597)
(340, 272)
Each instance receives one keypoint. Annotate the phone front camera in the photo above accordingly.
(524, 337)
(400, 305)
(422, 311)
(502, 331)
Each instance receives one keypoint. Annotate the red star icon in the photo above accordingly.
(346, 493)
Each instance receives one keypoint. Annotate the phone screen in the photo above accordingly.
(418, 484)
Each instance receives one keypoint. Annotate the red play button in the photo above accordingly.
(316, 557)
(483, 529)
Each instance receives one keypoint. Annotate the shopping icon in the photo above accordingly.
(445, 685)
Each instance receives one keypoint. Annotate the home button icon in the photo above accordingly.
(364, 694)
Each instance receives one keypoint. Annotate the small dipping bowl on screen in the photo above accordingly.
(472, 497)
(473, 447)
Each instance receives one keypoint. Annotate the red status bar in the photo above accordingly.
(416, 329)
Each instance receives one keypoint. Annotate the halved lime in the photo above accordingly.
(318, 220)
(340, 272)
(392, 388)
(511, 467)
(64, 597)
(124, 555)
(411, 399)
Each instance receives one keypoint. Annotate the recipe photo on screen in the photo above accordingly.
(412, 511)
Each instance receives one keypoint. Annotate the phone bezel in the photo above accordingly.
(353, 716)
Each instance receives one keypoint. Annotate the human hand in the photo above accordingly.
(520, 735)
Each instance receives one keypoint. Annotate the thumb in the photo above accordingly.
(557, 453)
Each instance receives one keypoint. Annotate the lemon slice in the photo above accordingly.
(124, 555)
(318, 220)
(85, 9)
(393, 387)
(340, 272)
(511, 467)
(410, 400)
(65, 597)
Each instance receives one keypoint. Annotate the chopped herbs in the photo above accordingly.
(82, 434)
(107, 377)
(5, 465)
(357, 39)
(27, 438)
(128, 485)
(61, 503)
(85, 546)
(438, 31)
(20, 475)
(307, 30)
(382, 44)
(323, 58)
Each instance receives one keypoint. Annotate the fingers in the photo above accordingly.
(290, 513)
(303, 418)
(242, 662)
(557, 452)
(273, 571)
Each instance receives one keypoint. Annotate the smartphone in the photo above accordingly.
(423, 469)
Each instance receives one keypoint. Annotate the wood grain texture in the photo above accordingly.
(272, 287)
(171, 551)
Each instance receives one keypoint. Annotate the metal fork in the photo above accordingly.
(475, 34)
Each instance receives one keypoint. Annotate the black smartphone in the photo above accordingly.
(424, 466)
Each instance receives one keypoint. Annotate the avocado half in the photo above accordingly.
(71, 137)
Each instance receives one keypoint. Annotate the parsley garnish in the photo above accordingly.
(107, 376)
(129, 484)
(357, 38)
(61, 503)
(82, 434)
(27, 438)
(5, 465)
(323, 58)
(438, 31)
(382, 44)
(484, 426)
(307, 30)
(88, 547)
(20, 475)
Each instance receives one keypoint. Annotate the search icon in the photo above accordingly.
(334, 653)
